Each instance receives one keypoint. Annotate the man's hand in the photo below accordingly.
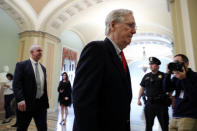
(139, 102)
(167, 69)
(22, 106)
(61, 91)
(5, 85)
(66, 98)
(180, 75)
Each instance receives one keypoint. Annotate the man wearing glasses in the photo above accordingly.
(102, 87)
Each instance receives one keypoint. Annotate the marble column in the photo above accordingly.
(185, 29)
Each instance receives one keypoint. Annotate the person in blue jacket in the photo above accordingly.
(184, 83)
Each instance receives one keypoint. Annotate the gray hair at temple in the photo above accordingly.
(34, 46)
(116, 16)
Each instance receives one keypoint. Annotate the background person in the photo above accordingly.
(64, 98)
(156, 105)
(30, 89)
(184, 83)
(8, 96)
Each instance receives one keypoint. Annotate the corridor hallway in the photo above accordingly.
(137, 120)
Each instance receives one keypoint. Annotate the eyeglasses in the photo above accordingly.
(132, 26)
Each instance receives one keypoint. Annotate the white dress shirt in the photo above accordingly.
(8, 90)
(116, 48)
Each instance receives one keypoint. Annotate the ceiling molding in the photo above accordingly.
(15, 10)
(67, 12)
(33, 33)
(151, 38)
(13, 13)
(56, 13)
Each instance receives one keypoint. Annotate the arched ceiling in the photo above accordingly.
(21, 13)
(86, 17)
(38, 5)
(151, 16)
(30, 17)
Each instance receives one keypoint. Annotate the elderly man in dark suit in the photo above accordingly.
(102, 87)
(30, 90)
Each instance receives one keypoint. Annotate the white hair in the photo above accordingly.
(116, 16)
(34, 46)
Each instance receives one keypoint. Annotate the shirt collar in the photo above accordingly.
(33, 61)
(115, 46)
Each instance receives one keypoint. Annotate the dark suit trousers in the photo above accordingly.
(8, 99)
(159, 110)
(24, 118)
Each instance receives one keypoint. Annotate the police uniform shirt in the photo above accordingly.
(152, 84)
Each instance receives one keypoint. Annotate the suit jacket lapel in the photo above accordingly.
(31, 70)
(128, 75)
(44, 72)
(115, 58)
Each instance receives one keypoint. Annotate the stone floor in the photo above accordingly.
(137, 121)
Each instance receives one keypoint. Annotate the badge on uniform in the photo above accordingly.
(154, 60)
(160, 76)
(151, 59)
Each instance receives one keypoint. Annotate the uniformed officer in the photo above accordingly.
(156, 104)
